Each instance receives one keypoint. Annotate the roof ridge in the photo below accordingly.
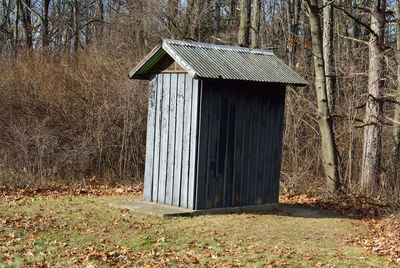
(219, 47)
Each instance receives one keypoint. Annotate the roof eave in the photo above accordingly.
(133, 74)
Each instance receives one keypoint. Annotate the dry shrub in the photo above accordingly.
(70, 118)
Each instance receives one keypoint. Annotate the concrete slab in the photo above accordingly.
(161, 210)
(152, 208)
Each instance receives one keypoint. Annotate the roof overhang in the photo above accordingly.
(209, 61)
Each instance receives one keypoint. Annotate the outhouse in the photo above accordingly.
(214, 126)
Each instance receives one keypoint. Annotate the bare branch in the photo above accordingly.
(366, 26)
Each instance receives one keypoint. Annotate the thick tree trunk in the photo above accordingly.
(372, 146)
(396, 127)
(327, 45)
(255, 23)
(244, 26)
(328, 146)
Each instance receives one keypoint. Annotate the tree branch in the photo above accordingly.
(356, 20)
(354, 39)
(32, 10)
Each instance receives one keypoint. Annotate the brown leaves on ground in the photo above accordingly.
(382, 238)
(13, 195)
(382, 221)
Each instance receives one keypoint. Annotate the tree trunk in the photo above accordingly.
(75, 24)
(292, 14)
(327, 45)
(244, 26)
(15, 26)
(44, 31)
(255, 23)
(396, 127)
(98, 26)
(232, 14)
(372, 146)
(217, 18)
(26, 27)
(328, 146)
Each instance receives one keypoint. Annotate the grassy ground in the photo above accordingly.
(84, 231)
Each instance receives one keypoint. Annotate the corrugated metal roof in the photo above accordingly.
(202, 60)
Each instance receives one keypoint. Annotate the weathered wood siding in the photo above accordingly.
(171, 139)
(240, 143)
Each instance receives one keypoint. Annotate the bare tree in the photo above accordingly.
(99, 17)
(327, 44)
(15, 27)
(75, 24)
(43, 17)
(328, 146)
(255, 23)
(26, 27)
(372, 145)
(45, 23)
(244, 26)
(396, 127)
(217, 18)
(292, 17)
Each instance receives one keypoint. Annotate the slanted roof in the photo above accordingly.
(202, 60)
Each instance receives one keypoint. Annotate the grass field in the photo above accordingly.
(84, 231)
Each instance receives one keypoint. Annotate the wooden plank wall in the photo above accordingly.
(240, 144)
(171, 139)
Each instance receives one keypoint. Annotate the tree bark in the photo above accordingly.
(255, 23)
(327, 45)
(217, 18)
(292, 14)
(15, 26)
(372, 146)
(44, 31)
(75, 24)
(244, 26)
(328, 146)
(26, 27)
(396, 127)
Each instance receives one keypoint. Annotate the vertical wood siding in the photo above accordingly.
(213, 143)
(171, 139)
(240, 144)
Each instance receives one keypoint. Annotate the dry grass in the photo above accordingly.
(84, 231)
(70, 118)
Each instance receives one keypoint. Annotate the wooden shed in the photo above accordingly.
(214, 127)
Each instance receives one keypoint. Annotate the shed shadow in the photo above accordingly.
(281, 209)
(297, 211)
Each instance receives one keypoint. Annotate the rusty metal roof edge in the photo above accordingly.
(219, 47)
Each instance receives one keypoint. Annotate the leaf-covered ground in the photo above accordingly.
(78, 228)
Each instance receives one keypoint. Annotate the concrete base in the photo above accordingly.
(161, 210)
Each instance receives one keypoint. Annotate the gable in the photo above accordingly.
(166, 64)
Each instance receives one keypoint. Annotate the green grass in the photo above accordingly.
(85, 231)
